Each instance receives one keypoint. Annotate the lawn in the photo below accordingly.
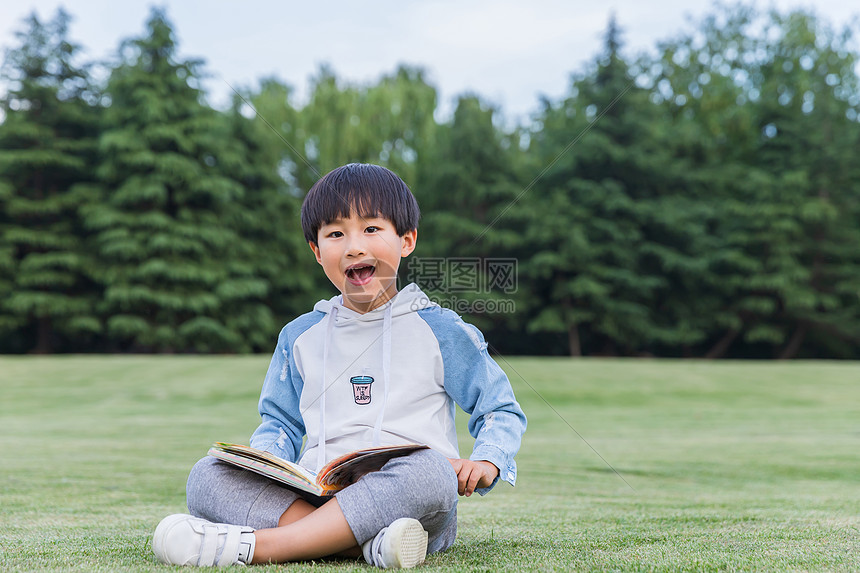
(633, 465)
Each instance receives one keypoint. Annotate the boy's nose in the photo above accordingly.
(356, 247)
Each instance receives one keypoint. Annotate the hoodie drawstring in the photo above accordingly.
(386, 372)
(386, 381)
(326, 344)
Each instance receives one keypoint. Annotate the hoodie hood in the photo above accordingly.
(410, 299)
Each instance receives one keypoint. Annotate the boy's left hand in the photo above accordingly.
(472, 474)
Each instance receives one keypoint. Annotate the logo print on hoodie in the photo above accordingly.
(361, 389)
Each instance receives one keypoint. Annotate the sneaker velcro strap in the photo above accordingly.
(230, 551)
(209, 546)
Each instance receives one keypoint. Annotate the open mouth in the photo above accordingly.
(360, 274)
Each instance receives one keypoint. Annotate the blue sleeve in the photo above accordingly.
(482, 389)
(282, 429)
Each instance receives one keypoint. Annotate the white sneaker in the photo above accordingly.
(182, 539)
(401, 544)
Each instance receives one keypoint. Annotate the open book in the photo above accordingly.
(334, 476)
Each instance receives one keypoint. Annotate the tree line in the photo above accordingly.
(702, 200)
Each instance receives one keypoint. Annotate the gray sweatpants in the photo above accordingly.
(422, 485)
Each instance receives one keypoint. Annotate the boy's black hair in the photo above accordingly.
(369, 190)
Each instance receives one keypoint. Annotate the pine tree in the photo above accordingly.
(269, 219)
(765, 126)
(176, 271)
(808, 135)
(468, 194)
(47, 149)
(612, 236)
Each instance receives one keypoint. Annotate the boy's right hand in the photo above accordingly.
(472, 474)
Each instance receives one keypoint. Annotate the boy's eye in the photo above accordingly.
(335, 234)
(371, 229)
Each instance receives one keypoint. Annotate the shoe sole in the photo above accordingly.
(409, 543)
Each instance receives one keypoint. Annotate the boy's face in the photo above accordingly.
(360, 256)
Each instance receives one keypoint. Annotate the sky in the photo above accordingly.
(508, 52)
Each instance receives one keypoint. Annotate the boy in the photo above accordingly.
(372, 366)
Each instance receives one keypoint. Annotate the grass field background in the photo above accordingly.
(721, 466)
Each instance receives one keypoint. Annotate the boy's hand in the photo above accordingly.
(472, 474)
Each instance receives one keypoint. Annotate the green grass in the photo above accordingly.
(725, 465)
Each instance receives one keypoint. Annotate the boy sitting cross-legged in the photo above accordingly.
(413, 361)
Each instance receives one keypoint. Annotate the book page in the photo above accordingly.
(267, 458)
(348, 468)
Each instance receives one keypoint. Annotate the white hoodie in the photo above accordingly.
(406, 400)
(390, 376)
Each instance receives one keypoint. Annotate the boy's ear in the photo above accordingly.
(409, 240)
(316, 249)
